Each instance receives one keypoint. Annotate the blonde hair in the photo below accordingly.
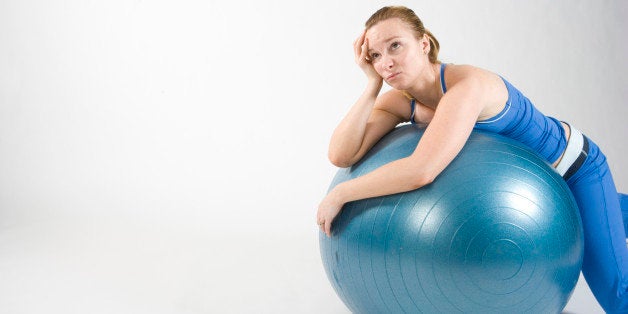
(409, 17)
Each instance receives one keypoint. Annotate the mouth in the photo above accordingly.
(392, 76)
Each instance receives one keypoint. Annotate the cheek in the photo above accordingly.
(411, 57)
(414, 61)
(379, 68)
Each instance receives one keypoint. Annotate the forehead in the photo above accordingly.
(387, 29)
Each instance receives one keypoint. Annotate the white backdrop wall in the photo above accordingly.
(169, 156)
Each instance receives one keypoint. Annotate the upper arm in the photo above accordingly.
(454, 119)
(387, 113)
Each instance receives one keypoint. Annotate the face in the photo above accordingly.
(396, 54)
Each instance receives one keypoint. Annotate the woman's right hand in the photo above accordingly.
(360, 48)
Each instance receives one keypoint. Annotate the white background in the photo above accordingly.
(169, 156)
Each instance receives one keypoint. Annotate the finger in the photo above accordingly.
(360, 39)
(328, 228)
(365, 50)
(320, 223)
(357, 47)
(359, 43)
(357, 40)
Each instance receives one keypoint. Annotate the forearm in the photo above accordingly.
(348, 136)
(398, 176)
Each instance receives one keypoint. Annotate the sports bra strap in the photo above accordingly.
(442, 78)
(442, 85)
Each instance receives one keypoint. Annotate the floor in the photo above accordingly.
(118, 264)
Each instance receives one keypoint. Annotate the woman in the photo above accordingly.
(452, 100)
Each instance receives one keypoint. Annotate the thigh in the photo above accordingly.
(605, 264)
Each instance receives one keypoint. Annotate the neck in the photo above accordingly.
(427, 89)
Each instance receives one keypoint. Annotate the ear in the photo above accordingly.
(425, 44)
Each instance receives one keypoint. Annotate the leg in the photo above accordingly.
(605, 264)
(623, 201)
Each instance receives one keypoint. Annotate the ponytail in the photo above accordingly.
(434, 47)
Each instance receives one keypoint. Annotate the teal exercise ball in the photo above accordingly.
(498, 231)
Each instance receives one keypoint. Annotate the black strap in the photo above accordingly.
(579, 161)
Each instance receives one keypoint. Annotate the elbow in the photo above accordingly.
(422, 180)
(339, 161)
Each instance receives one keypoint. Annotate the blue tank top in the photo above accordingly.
(521, 121)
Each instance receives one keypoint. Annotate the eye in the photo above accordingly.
(374, 55)
(395, 45)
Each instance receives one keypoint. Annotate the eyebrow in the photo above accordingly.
(386, 41)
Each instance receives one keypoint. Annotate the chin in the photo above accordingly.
(397, 85)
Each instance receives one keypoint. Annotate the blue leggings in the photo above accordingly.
(605, 264)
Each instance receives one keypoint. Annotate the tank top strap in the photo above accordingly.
(442, 77)
(442, 85)
(413, 108)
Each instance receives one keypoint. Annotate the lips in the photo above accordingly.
(392, 76)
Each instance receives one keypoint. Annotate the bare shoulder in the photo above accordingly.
(457, 72)
(489, 84)
(394, 102)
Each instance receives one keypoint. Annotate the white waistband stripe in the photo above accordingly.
(573, 150)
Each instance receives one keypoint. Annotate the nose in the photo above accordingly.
(387, 61)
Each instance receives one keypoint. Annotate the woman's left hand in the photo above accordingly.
(328, 209)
